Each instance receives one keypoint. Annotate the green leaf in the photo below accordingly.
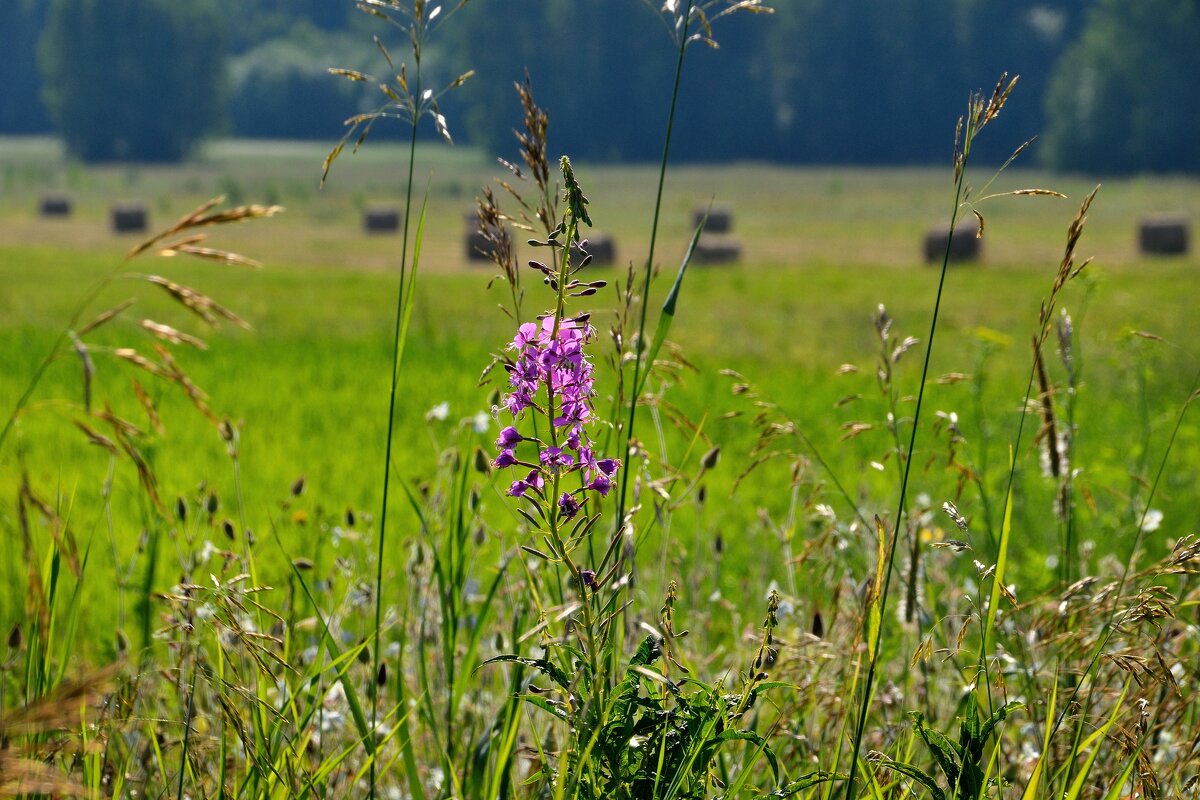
(914, 773)
(969, 730)
(947, 754)
(542, 665)
(751, 736)
(668, 310)
(545, 705)
(997, 718)
(807, 782)
(409, 292)
(1094, 741)
(1001, 562)
(648, 651)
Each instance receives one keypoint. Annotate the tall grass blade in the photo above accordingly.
(1031, 788)
(1094, 742)
(410, 293)
(998, 576)
(668, 310)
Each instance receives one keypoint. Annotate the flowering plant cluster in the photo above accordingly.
(551, 374)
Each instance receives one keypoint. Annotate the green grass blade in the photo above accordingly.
(1035, 778)
(409, 292)
(1094, 741)
(668, 310)
(1114, 791)
(1001, 561)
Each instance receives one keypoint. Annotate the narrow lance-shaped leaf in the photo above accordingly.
(668, 310)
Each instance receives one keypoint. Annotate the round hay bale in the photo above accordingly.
(720, 219)
(129, 217)
(602, 248)
(1163, 235)
(55, 205)
(964, 246)
(712, 249)
(476, 245)
(381, 219)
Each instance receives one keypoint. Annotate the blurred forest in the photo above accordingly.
(1108, 85)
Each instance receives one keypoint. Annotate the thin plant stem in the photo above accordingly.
(662, 178)
(387, 461)
(869, 683)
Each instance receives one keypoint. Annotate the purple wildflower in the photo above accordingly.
(551, 372)
(555, 457)
(527, 334)
(592, 466)
(509, 437)
(568, 506)
(533, 480)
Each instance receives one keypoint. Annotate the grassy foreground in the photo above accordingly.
(307, 392)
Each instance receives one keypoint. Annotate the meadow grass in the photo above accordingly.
(309, 381)
(271, 641)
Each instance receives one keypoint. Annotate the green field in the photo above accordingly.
(823, 248)
(307, 389)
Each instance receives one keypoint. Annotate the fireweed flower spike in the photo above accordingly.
(550, 368)
(549, 372)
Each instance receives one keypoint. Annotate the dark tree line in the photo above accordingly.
(820, 81)
(132, 79)
(1110, 85)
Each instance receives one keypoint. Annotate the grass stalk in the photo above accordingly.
(872, 663)
(638, 365)
(401, 299)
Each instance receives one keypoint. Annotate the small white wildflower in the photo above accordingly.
(439, 413)
(335, 697)
(481, 422)
(1152, 520)
(207, 552)
(332, 720)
